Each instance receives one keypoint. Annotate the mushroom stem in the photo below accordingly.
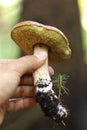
(42, 79)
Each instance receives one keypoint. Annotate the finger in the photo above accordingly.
(24, 91)
(28, 63)
(26, 80)
(2, 114)
(21, 104)
(51, 71)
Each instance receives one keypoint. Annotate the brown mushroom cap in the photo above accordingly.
(28, 33)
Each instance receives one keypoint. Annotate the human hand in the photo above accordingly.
(16, 83)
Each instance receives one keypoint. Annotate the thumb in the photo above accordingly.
(29, 63)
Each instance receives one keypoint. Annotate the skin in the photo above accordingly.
(16, 83)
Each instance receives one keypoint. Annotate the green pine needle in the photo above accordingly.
(59, 81)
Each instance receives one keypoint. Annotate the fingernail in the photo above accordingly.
(40, 55)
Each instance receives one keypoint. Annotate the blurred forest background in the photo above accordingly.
(70, 16)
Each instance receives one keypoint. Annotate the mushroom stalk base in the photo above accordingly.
(45, 96)
(42, 79)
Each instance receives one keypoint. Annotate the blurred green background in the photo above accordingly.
(70, 16)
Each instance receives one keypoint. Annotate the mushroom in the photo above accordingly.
(34, 37)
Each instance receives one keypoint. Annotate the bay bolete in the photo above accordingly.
(34, 37)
